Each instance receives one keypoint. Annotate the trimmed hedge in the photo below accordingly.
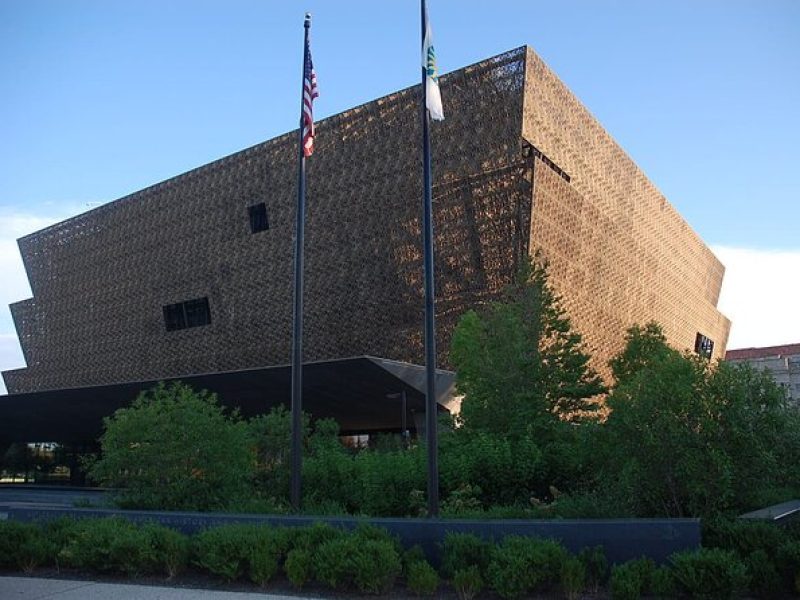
(742, 557)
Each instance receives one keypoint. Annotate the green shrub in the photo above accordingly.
(573, 577)
(788, 565)
(25, 546)
(468, 582)
(175, 449)
(103, 545)
(422, 579)
(298, 566)
(463, 550)
(60, 532)
(709, 573)
(311, 536)
(223, 551)
(743, 536)
(522, 565)
(370, 564)
(230, 551)
(596, 566)
(366, 532)
(267, 547)
(12, 535)
(170, 548)
(629, 580)
(662, 583)
(412, 555)
(385, 480)
(765, 581)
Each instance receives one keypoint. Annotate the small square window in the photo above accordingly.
(197, 312)
(703, 346)
(174, 317)
(258, 217)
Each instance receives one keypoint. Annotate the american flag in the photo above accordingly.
(309, 93)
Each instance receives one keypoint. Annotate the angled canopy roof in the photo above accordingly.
(354, 391)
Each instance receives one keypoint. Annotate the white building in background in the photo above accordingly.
(783, 362)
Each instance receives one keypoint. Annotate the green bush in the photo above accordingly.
(385, 480)
(629, 580)
(60, 532)
(346, 560)
(521, 565)
(595, 564)
(468, 582)
(119, 546)
(223, 551)
(765, 581)
(412, 555)
(175, 449)
(743, 536)
(171, 548)
(267, 547)
(788, 565)
(25, 546)
(230, 551)
(298, 566)
(12, 535)
(463, 550)
(573, 577)
(709, 573)
(422, 579)
(662, 583)
(311, 537)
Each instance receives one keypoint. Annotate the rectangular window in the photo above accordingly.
(703, 345)
(174, 317)
(192, 313)
(258, 217)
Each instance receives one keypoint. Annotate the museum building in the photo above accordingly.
(192, 278)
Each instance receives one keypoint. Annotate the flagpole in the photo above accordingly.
(297, 332)
(430, 327)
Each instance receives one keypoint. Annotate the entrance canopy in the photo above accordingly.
(363, 394)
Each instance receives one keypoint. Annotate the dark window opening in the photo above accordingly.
(528, 150)
(258, 217)
(192, 313)
(703, 346)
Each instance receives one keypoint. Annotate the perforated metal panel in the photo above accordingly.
(620, 254)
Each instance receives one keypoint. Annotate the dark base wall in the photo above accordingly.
(623, 539)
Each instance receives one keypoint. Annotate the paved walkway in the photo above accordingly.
(31, 588)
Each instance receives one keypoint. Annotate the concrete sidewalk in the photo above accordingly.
(32, 588)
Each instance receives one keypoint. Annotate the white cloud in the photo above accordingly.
(760, 295)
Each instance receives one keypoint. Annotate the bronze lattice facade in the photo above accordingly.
(519, 165)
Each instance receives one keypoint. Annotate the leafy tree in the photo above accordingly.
(686, 437)
(519, 365)
(644, 346)
(175, 448)
(272, 436)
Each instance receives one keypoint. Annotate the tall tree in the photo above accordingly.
(686, 437)
(520, 366)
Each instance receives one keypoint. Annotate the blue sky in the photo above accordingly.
(101, 98)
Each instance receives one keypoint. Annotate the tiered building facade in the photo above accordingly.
(194, 274)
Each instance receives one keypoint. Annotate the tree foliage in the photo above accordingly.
(687, 437)
(175, 448)
(520, 365)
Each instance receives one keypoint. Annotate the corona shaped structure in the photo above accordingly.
(193, 276)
